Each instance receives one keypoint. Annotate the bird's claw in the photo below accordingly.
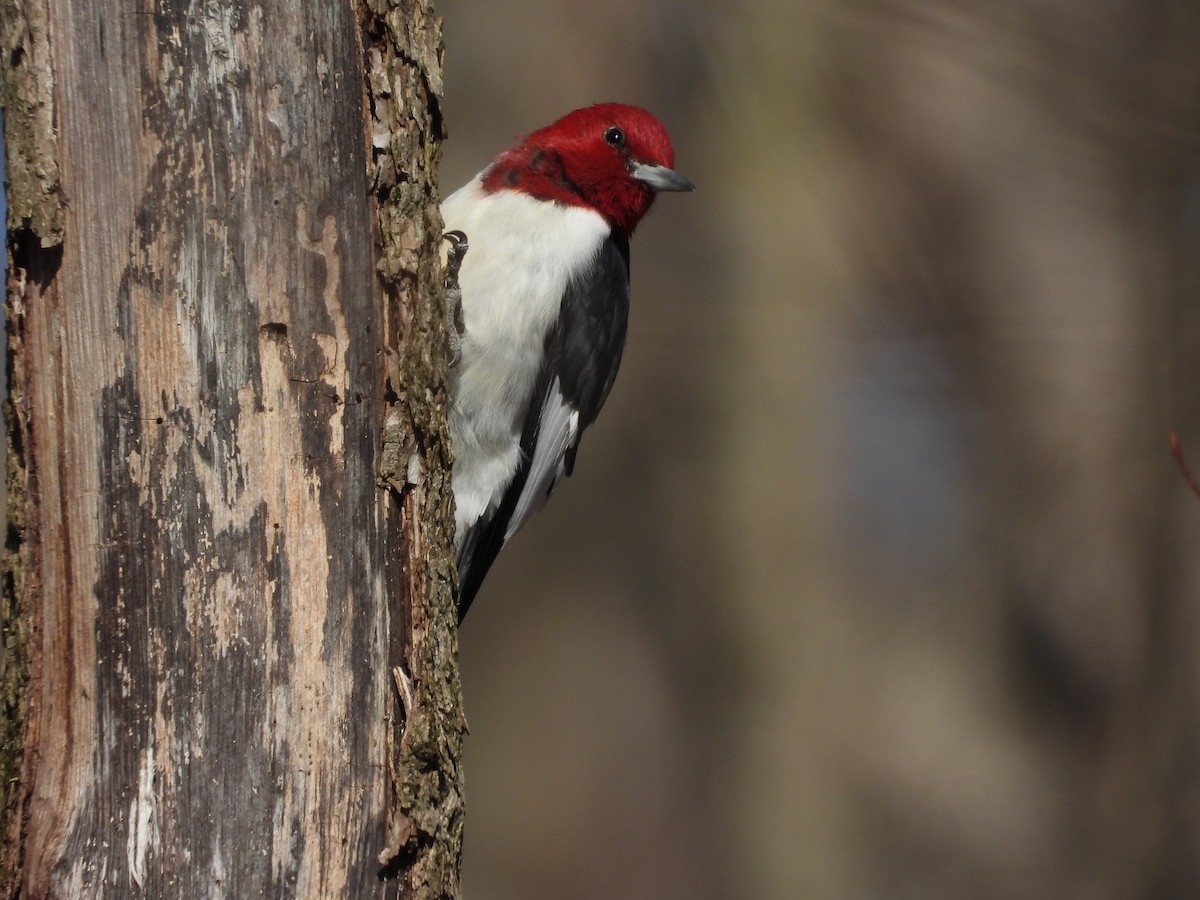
(454, 248)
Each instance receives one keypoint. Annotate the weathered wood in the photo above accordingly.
(209, 575)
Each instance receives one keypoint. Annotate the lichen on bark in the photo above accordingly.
(403, 60)
(14, 658)
(34, 234)
(30, 133)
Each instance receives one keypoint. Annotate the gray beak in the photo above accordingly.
(660, 178)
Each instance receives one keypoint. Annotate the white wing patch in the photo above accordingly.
(558, 432)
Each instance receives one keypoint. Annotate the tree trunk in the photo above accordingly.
(231, 662)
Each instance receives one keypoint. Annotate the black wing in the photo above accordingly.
(582, 354)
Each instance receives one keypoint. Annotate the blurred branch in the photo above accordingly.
(1177, 451)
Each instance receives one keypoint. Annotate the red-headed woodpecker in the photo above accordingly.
(545, 301)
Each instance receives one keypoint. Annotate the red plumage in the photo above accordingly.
(572, 162)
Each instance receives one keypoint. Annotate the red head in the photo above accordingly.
(610, 157)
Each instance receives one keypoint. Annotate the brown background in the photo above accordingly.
(875, 577)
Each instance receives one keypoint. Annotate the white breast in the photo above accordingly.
(521, 255)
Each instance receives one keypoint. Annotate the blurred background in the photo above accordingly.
(876, 578)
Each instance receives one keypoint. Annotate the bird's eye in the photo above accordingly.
(615, 137)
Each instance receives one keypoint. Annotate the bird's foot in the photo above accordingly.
(454, 248)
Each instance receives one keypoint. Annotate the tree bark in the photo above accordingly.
(231, 661)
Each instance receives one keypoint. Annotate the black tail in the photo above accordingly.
(478, 551)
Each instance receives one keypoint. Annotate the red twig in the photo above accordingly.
(1177, 451)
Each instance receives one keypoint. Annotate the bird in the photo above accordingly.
(544, 309)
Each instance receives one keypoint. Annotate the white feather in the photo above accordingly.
(559, 431)
(521, 257)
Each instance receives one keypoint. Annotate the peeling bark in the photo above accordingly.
(206, 583)
(402, 43)
(30, 130)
